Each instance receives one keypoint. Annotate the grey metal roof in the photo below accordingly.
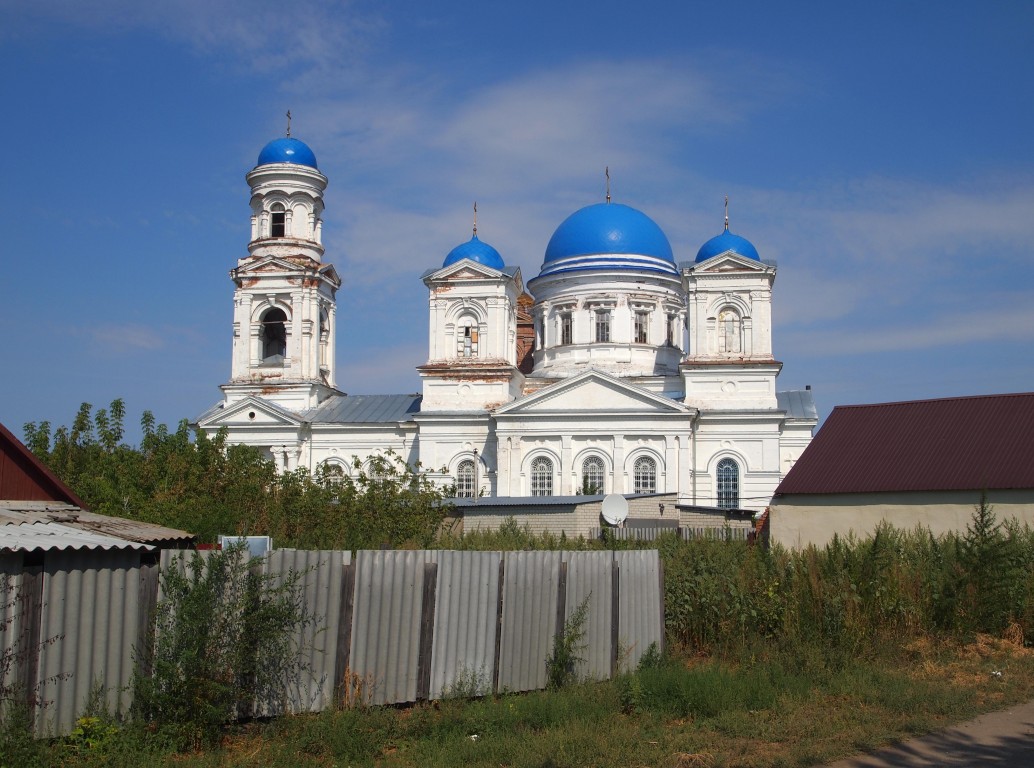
(524, 501)
(540, 501)
(798, 404)
(364, 409)
(30, 537)
(15, 513)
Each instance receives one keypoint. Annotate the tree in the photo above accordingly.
(189, 480)
(993, 585)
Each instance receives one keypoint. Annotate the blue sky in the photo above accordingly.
(881, 153)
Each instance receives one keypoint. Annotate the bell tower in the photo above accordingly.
(472, 344)
(284, 301)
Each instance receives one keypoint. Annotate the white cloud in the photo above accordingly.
(265, 35)
(923, 331)
(120, 339)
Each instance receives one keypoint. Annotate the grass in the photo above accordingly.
(682, 712)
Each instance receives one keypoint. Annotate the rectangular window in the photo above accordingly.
(279, 224)
(670, 336)
(602, 326)
(642, 322)
(467, 345)
(566, 329)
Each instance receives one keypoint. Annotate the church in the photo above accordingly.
(617, 369)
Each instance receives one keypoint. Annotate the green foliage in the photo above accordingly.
(468, 684)
(221, 647)
(568, 646)
(991, 561)
(203, 484)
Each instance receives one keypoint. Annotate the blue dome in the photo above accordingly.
(727, 241)
(475, 250)
(608, 228)
(287, 150)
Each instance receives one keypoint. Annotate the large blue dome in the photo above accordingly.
(475, 250)
(608, 228)
(287, 150)
(727, 241)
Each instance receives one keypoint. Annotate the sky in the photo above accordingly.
(881, 153)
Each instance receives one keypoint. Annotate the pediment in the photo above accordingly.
(468, 269)
(250, 411)
(328, 271)
(593, 391)
(730, 261)
(275, 264)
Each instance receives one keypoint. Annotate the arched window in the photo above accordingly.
(593, 470)
(274, 336)
(729, 331)
(277, 221)
(728, 477)
(324, 339)
(465, 480)
(644, 475)
(541, 477)
(333, 474)
(467, 337)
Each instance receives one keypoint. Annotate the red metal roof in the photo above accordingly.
(26, 478)
(959, 443)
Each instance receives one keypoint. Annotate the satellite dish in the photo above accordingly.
(615, 509)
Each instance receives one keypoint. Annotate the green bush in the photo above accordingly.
(568, 646)
(222, 647)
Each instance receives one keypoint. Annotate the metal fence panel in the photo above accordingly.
(640, 622)
(91, 605)
(319, 576)
(530, 582)
(590, 580)
(463, 652)
(385, 644)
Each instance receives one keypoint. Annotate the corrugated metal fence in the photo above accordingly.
(685, 533)
(391, 627)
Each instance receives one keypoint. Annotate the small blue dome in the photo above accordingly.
(727, 241)
(608, 228)
(287, 150)
(475, 250)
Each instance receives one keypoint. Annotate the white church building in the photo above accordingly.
(616, 370)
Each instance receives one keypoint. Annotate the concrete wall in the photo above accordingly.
(574, 519)
(799, 520)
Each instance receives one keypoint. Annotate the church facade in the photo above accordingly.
(615, 370)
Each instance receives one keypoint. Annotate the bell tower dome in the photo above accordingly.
(284, 319)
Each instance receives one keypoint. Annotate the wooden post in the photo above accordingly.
(344, 636)
(660, 578)
(615, 614)
(30, 598)
(148, 601)
(498, 625)
(423, 666)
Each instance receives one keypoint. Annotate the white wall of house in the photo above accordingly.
(801, 520)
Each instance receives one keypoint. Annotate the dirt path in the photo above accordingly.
(1004, 738)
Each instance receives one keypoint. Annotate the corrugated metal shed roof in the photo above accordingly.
(364, 409)
(30, 537)
(71, 516)
(961, 443)
(798, 404)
